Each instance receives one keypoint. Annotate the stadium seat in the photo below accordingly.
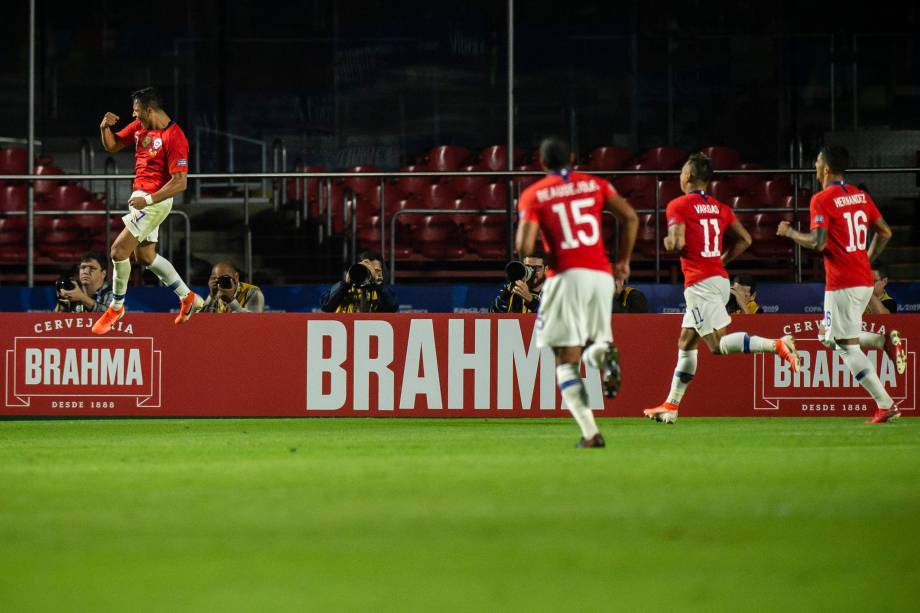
(723, 158)
(464, 220)
(470, 184)
(13, 198)
(626, 185)
(67, 196)
(362, 185)
(408, 219)
(609, 158)
(645, 237)
(772, 191)
(748, 202)
(488, 236)
(723, 190)
(45, 188)
(496, 158)
(437, 237)
(391, 195)
(12, 225)
(14, 161)
(664, 158)
(745, 182)
(493, 196)
(524, 182)
(438, 196)
(91, 223)
(448, 158)
(766, 243)
(413, 185)
(669, 189)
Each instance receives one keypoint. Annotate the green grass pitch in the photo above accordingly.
(474, 515)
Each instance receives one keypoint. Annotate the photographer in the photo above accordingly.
(881, 301)
(362, 291)
(628, 299)
(230, 295)
(521, 293)
(89, 292)
(743, 299)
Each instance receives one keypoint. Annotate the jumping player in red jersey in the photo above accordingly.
(696, 224)
(574, 315)
(840, 219)
(161, 168)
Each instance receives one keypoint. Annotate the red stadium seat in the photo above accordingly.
(362, 185)
(669, 190)
(448, 158)
(494, 196)
(745, 182)
(13, 198)
(67, 196)
(438, 196)
(526, 181)
(470, 184)
(723, 190)
(629, 184)
(772, 191)
(609, 158)
(488, 237)
(391, 195)
(14, 224)
(464, 203)
(664, 158)
(766, 242)
(45, 188)
(408, 219)
(723, 158)
(14, 161)
(437, 237)
(414, 185)
(496, 158)
(92, 223)
(645, 238)
(57, 227)
(748, 202)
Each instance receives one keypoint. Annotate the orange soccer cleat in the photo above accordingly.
(894, 347)
(785, 348)
(107, 320)
(188, 306)
(665, 412)
(882, 416)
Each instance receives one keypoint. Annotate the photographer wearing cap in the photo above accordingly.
(523, 287)
(363, 290)
(229, 294)
(89, 291)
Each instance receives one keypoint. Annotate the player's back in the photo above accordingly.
(568, 209)
(846, 212)
(705, 220)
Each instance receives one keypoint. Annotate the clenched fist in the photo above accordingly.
(783, 228)
(108, 121)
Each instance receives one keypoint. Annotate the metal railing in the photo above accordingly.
(327, 179)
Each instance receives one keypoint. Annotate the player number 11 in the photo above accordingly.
(710, 250)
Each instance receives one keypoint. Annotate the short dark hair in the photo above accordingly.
(748, 280)
(836, 157)
(148, 97)
(370, 255)
(555, 153)
(228, 264)
(94, 255)
(700, 168)
(538, 253)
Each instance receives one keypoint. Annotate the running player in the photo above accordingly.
(161, 168)
(840, 219)
(696, 224)
(574, 314)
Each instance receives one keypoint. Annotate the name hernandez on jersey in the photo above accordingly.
(846, 213)
(704, 220)
(568, 210)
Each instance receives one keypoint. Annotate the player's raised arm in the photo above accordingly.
(816, 240)
(742, 241)
(880, 240)
(110, 142)
(624, 212)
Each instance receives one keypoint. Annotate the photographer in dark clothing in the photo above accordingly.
(89, 291)
(524, 287)
(363, 290)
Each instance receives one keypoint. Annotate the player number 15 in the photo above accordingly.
(580, 218)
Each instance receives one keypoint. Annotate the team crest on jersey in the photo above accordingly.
(146, 141)
(158, 143)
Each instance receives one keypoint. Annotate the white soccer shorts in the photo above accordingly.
(575, 308)
(144, 224)
(843, 311)
(706, 302)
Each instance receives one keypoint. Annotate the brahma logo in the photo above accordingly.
(66, 371)
(824, 383)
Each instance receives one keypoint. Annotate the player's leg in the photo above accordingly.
(189, 302)
(683, 373)
(573, 391)
(601, 353)
(121, 271)
(721, 343)
(844, 312)
(892, 344)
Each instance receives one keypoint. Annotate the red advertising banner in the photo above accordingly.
(301, 365)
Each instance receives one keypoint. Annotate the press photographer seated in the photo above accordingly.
(363, 290)
(229, 294)
(523, 287)
(89, 291)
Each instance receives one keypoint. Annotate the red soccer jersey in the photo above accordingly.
(705, 220)
(846, 213)
(157, 154)
(568, 211)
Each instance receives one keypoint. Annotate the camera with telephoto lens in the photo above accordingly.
(65, 283)
(360, 275)
(63, 304)
(518, 271)
(225, 282)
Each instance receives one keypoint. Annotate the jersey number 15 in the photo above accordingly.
(579, 219)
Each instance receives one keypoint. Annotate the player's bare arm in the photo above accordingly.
(526, 238)
(742, 241)
(815, 240)
(880, 240)
(676, 238)
(109, 141)
(176, 184)
(626, 215)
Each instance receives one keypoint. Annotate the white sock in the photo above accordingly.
(863, 371)
(576, 398)
(162, 268)
(594, 355)
(683, 374)
(740, 342)
(868, 340)
(121, 270)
